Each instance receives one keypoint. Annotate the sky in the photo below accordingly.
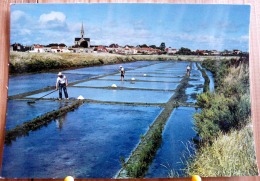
(193, 26)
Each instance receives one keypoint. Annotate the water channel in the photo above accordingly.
(105, 128)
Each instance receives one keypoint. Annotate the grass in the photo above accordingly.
(37, 62)
(231, 154)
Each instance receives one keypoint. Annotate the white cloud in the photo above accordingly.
(244, 38)
(24, 32)
(17, 15)
(52, 16)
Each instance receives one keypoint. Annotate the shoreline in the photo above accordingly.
(25, 62)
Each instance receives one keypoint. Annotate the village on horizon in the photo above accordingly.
(82, 45)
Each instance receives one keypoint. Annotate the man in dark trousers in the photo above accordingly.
(122, 72)
(188, 70)
(62, 83)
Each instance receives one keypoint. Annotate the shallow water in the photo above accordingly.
(93, 137)
(158, 74)
(32, 82)
(163, 67)
(211, 83)
(142, 78)
(114, 95)
(196, 84)
(177, 136)
(108, 69)
(20, 111)
(81, 143)
(130, 84)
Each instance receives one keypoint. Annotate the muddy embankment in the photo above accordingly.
(25, 62)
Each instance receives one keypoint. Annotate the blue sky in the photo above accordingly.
(194, 26)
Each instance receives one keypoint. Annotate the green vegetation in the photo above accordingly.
(229, 107)
(36, 123)
(230, 154)
(226, 145)
(184, 51)
(146, 155)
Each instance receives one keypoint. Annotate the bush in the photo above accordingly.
(216, 115)
(243, 111)
(229, 107)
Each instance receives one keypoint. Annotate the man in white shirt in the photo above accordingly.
(122, 71)
(188, 70)
(62, 83)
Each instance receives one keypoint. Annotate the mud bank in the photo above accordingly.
(24, 62)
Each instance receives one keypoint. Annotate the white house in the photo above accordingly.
(36, 48)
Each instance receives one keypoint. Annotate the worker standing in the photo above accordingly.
(188, 70)
(122, 72)
(61, 84)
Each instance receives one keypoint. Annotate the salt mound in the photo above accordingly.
(80, 97)
(113, 85)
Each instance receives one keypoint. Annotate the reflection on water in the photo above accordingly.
(90, 139)
(18, 111)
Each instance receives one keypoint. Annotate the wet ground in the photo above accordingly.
(106, 127)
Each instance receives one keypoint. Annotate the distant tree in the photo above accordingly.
(129, 46)
(53, 44)
(62, 45)
(162, 46)
(113, 45)
(153, 46)
(184, 51)
(144, 46)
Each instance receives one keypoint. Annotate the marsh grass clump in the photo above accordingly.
(231, 154)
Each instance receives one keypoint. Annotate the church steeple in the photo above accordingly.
(82, 31)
